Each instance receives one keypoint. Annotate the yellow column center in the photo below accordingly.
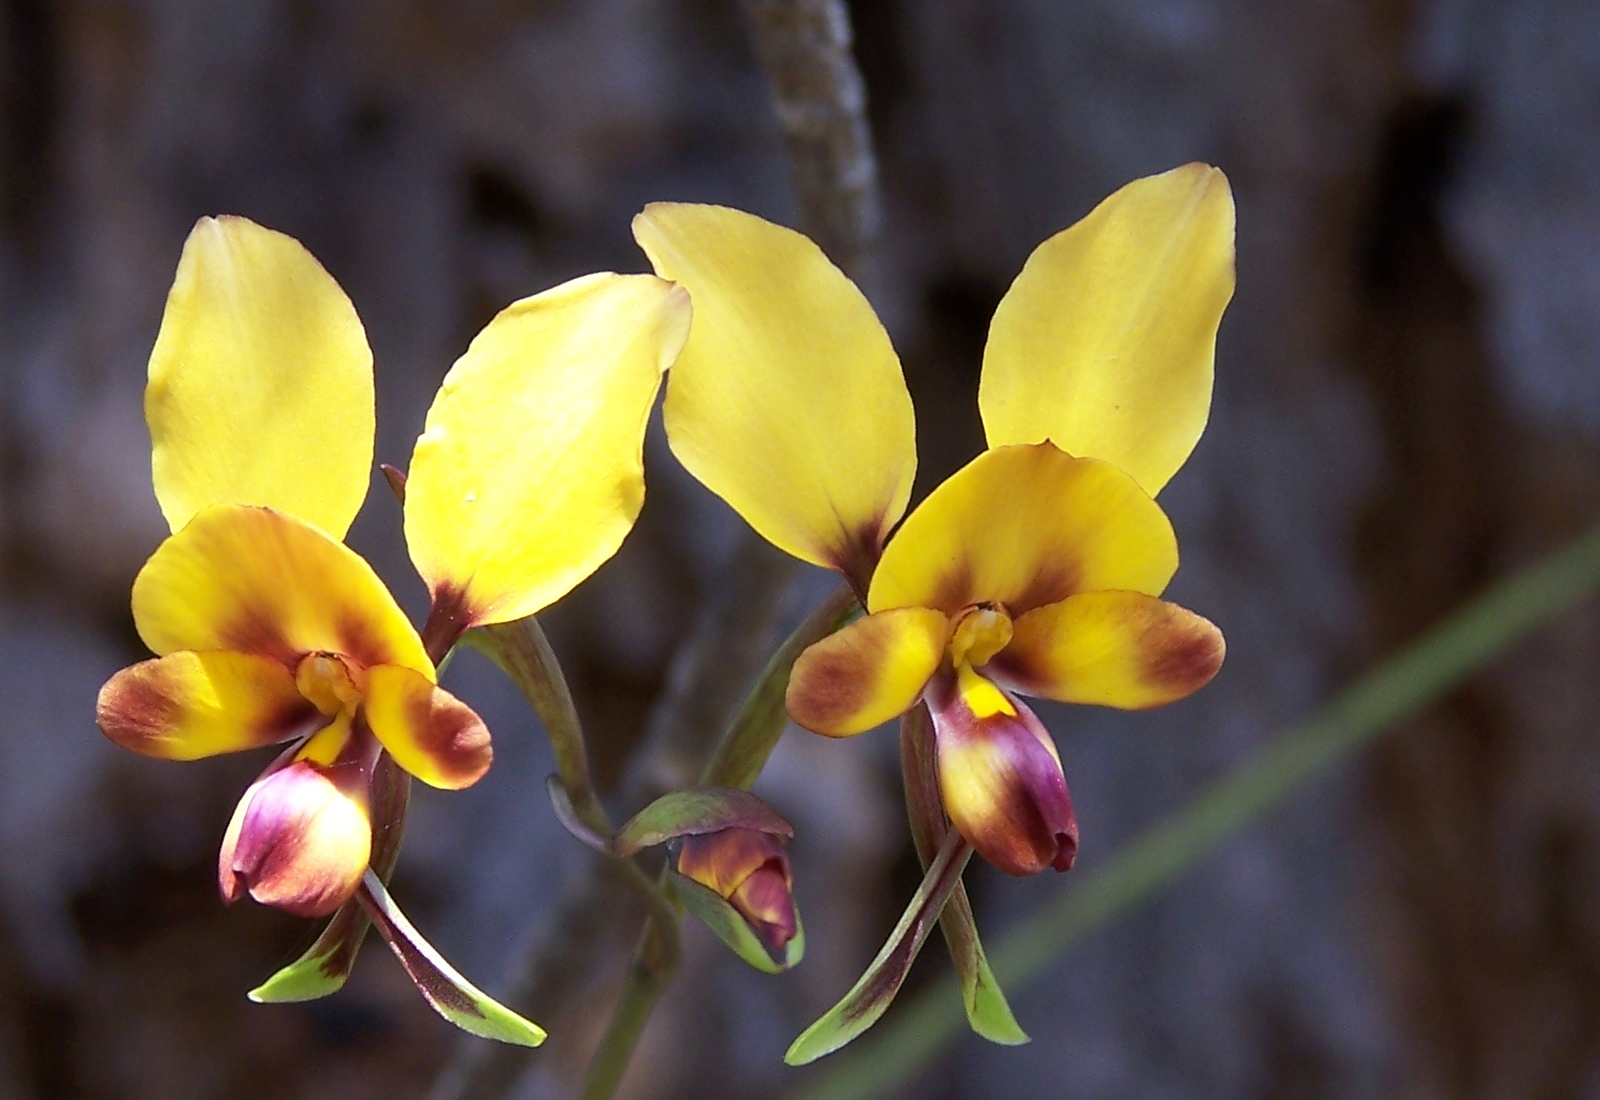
(980, 633)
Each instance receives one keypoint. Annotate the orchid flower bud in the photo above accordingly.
(750, 869)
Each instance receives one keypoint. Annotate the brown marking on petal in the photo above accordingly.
(1012, 668)
(1181, 654)
(361, 643)
(857, 554)
(826, 688)
(255, 630)
(449, 618)
(141, 708)
(291, 719)
(1053, 582)
(954, 590)
(451, 734)
(136, 708)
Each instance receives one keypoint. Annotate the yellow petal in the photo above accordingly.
(260, 382)
(788, 401)
(530, 472)
(429, 732)
(188, 705)
(254, 581)
(869, 672)
(1114, 649)
(1025, 526)
(1104, 344)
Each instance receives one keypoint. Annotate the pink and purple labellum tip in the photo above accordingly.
(301, 837)
(1001, 781)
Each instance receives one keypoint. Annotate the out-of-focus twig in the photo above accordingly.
(820, 103)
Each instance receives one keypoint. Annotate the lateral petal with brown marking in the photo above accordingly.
(431, 734)
(1114, 649)
(869, 672)
(189, 705)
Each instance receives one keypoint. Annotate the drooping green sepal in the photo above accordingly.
(440, 984)
(570, 820)
(988, 1013)
(730, 926)
(876, 988)
(696, 811)
(326, 965)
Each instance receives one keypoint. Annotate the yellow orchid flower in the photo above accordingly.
(1035, 569)
(266, 627)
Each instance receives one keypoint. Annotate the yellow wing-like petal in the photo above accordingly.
(788, 401)
(1026, 526)
(251, 580)
(869, 672)
(1114, 649)
(429, 732)
(530, 471)
(1105, 342)
(260, 385)
(188, 705)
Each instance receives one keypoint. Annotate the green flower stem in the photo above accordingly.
(648, 977)
(523, 653)
(754, 732)
(1465, 641)
(738, 759)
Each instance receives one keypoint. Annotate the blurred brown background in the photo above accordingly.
(1408, 404)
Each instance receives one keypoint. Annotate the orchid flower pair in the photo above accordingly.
(1036, 569)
